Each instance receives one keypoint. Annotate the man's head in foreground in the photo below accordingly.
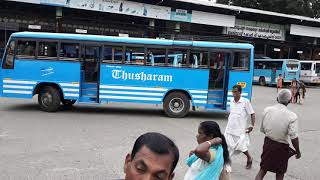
(154, 157)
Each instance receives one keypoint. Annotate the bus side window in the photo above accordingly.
(69, 51)
(241, 61)
(26, 49)
(112, 54)
(134, 55)
(199, 59)
(179, 57)
(9, 56)
(156, 56)
(48, 50)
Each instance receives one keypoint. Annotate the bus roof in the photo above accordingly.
(275, 60)
(116, 39)
(309, 61)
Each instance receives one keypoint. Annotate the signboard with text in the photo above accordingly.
(181, 15)
(256, 32)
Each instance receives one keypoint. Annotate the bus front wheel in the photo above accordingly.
(49, 99)
(262, 81)
(176, 105)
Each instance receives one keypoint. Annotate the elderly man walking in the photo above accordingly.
(278, 124)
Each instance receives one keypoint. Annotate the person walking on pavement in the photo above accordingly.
(301, 92)
(294, 89)
(207, 160)
(279, 82)
(278, 123)
(237, 130)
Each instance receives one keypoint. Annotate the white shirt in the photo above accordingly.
(279, 123)
(238, 117)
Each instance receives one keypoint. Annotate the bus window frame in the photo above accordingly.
(165, 48)
(206, 50)
(49, 41)
(248, 51)
(311, 66)
(104, 45)
(142, 46)
(26, 39)
(77, 59)
(187, 60)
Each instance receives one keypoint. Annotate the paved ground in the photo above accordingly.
(90, 142)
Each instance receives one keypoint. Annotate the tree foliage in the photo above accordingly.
(310, 8)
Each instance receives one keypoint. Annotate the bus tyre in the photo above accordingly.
(49, 99)
(176, 105)
(262, 81)
(68, 102)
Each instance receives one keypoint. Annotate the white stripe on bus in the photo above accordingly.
(18, 82)
(132, 93)
(17, 92)
(198, 92)
(70, 90)
(130, 98)
(69, 85)
(198, 96)
(17, 87)
(72, 95)
(132, 88)
(199, 102)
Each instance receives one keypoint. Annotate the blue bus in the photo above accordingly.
(63, 69)
(266, 70)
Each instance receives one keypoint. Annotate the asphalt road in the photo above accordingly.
(91, 142)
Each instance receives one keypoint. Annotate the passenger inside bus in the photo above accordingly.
(216, 70)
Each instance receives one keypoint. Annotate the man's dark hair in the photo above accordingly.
(238, 87)
(157, 143)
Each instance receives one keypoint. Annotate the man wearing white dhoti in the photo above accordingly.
(237, 130)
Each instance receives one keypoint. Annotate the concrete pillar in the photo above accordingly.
(58, 19)
(177, 27)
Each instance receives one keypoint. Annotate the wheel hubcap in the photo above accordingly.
(47, 99)
(176, 105)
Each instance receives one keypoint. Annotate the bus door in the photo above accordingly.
(239, 72)
(217, 80)
(90, 71)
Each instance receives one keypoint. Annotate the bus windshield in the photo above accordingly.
(306, 66)
(317, 68)
(292, 65)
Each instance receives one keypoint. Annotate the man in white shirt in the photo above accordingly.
(278, 124)
(237, 130)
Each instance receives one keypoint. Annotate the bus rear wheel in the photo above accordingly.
(262, 81)
(49, 99)
(176, 105)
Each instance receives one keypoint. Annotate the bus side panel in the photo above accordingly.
(240, 78)
(21, 81)
(143, 84)
(266, 73)
(1, 79)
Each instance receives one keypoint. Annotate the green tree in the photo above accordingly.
(315, 5)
